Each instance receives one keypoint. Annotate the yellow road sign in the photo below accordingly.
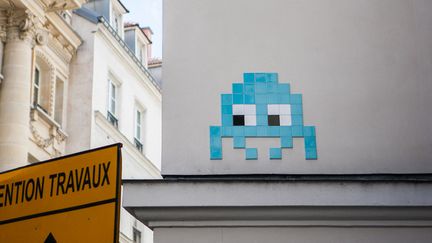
(75, 198)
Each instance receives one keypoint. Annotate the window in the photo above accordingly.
(36, 87)
(112, 103)
(136, 236)
(138, 129)
(42, 77)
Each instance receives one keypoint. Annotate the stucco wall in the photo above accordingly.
(364, 69)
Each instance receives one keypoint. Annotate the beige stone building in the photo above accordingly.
(37, 46)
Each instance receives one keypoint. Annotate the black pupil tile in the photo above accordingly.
(273, 120)
(238, 120)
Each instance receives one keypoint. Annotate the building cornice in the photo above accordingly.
(170, 203)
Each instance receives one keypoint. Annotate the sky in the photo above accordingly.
(147, 13)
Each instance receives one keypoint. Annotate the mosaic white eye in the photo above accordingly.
(244, 115)
(285, 120)
(273, 109)
(285, 109)
(250, 120)
(279, 115)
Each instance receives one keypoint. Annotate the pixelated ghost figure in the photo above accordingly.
(262, 107)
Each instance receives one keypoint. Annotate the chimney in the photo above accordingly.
(148, 32)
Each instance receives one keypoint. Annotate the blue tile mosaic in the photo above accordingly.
(262, 90)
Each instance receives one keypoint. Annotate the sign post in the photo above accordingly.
(75, 198)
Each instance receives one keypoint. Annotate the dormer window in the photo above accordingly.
(116, 16)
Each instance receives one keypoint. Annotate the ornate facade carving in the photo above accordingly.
(55, 135)
(23, 25)
(51, 80)
(53, 44)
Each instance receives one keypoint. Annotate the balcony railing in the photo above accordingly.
(112, 119)
(138, 145)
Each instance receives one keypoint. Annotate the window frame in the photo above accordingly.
(136, 232)
(37, 75)
(112, 111)
(138, 124)
(138, 140)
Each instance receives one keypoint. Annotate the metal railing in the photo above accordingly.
(112, 119)
(138, 145)
(129, 51)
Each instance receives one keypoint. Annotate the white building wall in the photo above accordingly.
(101, 58)
(132, 91)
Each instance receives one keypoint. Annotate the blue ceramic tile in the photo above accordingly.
(249, 88)
(272, 77)
(249, 99)
(297, 131)
(260, 78)
(275, 153)
(286, 142)
(296, 99)
(262, 120)
(238, 99)
(262, 131)
(238, 131)
(296, 109)
(261, 88)
(297, 120)
(248, 78)
(286, 131)
(261, 98)
(309, 131)
(237, 88)
(311, 154)
(273, 131)
(226, 99)
(310, 142)
(227, 120)
(227, 131)
(272, 88)
(251, 153)
(284, 89)
(284, 98)
(272, 99)
(239, 142)
(250, 131)
(215, 153)
(261, 109)
(227, 109)
(215, 130)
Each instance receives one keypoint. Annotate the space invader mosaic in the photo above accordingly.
(262, 107)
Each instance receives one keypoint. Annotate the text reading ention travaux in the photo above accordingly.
(61, 183)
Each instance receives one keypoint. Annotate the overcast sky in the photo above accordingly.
(147, 13)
